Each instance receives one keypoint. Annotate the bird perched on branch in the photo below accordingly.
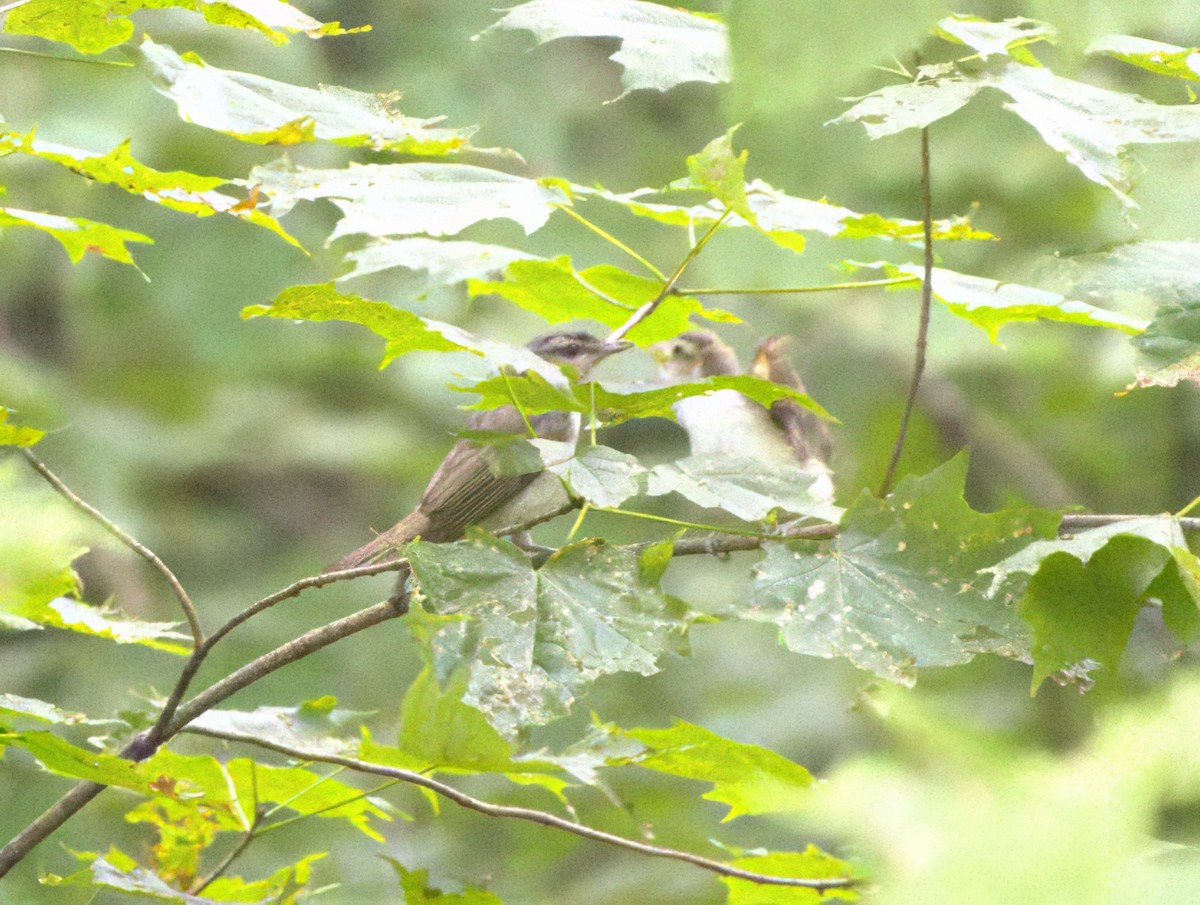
(728, 423)
(467, 488)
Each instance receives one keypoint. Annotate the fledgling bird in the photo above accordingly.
(466, 489)
(728, 423)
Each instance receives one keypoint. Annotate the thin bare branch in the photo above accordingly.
(923, 328)
(185, 602)
(301, 646)
(543, 818)
(669, 286)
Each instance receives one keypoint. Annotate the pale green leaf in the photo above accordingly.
(445, 262)
(914, 105)
(717, 170)
(241, 785)
(746, 488)
(1164, 59)
(106, 622)
(812, 864)
(748, 778)
(77, 235)
(1082, 613)
(92, 26)
(536, 639)
(441, 734)
(12, 434)
(557, 292)
(14, 705)
(436, 199)
(404, 331)
(131, 881)
(660, 46)
(178, 190)
(1006, 38)
(900, 588)
(257, 109)
(314, 726)
(601, 475)
(991, 304)
(783, 217)
(64, 759)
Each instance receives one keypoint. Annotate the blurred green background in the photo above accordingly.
(248, 454)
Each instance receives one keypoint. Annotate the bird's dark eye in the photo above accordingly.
(679, 349)
(571, 350)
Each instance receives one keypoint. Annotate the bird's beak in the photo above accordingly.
(612, 348)
(661, 353)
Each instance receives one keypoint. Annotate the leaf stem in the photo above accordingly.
(609, 237)
(789, 290)
(923, 326)
(669, 286)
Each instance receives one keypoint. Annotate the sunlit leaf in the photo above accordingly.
(812, 863)
(12, 434)
(445, 262)
(746, 488)
(783, 217)
(404, 199)
(915, 105)
(660, 46)
(404, 331)
(14, 705)
(1164, 59)
(106, 622)
(557, 292)
(131, 881)
(285, 886)
(718, 170)
(992, 304)
(440, 734)
(536, 639)
(1007, 38)
(92, 26)
(264, 111)
(178, 190)
(748, 778)
(900, 587)
(313, 726)
(77, 235)
(64, 759)
(244, 784)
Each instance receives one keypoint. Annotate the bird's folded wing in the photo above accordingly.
(805, 431)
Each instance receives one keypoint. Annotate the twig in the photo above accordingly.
(301, 646)
(543, 818)
(923, 328)
(669, 286)
(147, 743)
(797, 290)
(185, 602)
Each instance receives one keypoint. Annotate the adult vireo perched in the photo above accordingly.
(466, 488)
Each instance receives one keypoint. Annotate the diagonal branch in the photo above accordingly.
(185, 602)
(532, 815)
(923, 328)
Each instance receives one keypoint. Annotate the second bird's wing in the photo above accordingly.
(805, 431)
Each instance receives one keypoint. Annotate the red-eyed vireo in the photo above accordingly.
(467, 488)
(726, 422)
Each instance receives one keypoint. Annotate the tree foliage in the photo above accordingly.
(544, 688)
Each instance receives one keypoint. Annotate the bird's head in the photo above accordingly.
(576, 348)
(693, 356)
